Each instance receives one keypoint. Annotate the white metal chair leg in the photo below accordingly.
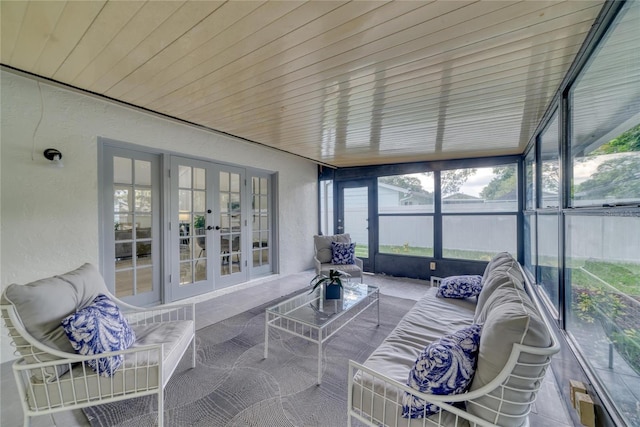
(193, 351)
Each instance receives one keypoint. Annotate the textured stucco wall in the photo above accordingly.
(49, 216)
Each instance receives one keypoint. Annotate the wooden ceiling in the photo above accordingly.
(341, 83)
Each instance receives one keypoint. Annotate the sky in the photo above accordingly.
(474, 185)
(583, 169)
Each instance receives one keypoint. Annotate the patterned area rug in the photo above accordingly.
(233, 385)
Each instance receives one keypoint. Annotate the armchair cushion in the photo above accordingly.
(41, 305)
(99, 328)
(41, 317)
(323, 246)
(343, 253)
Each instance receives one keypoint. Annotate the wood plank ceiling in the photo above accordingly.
(341, 83)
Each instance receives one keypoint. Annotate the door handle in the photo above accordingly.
(209, 227)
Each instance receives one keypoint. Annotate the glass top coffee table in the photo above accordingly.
(314, 318)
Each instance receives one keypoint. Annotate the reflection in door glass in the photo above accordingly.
(192, 201)
(326, 207)
(132, 214)
(356, 218)
(260, 224)
(230, 223)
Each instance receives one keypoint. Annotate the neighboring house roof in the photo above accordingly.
(461, 196)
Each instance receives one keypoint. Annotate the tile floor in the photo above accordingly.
(216, 306)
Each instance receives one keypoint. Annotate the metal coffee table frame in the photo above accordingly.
(313, 318)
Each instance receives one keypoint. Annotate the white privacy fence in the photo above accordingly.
(611, 238)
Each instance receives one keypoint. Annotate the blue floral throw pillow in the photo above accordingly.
(98, 328)
(444, 367)
(460, 286)
(343, 253)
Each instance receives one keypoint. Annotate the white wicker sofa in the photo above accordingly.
(52, 377)
(515, 349)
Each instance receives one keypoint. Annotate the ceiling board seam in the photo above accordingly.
(146, 37)
(106, 45)
(164, 48)
(67, 86)
(15, 42)
(204, 76)
(311, 54)
(345, 65)
(396, 76)
(363, 95)
(79, 39)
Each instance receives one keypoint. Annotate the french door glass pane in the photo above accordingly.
(356, 218)
(122, 170)
(260, 222)
(133, 217)
(326, 207)
(143, 172)
(192, 201)
(230, 223)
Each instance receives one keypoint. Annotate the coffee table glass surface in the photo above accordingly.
(310, 316)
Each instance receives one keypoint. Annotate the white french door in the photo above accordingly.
(191, 215)
(131, 225)
(230, 226)
(207, 227)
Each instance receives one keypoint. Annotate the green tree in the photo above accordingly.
(627, 141)
(505, 181)
(403, 181)
(619, 178)
(452, 180)
(550, 175)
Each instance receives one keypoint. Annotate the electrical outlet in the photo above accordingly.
(432, 265)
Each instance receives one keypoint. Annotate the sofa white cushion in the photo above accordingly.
(507, 274)
(497, 260)
(508, 317)
(426, 322)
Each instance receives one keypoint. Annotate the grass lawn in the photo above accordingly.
(625, 277)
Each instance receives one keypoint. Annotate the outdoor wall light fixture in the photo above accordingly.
(55, 156)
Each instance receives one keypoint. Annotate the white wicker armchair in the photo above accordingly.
(51, 378)
(322, 256)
